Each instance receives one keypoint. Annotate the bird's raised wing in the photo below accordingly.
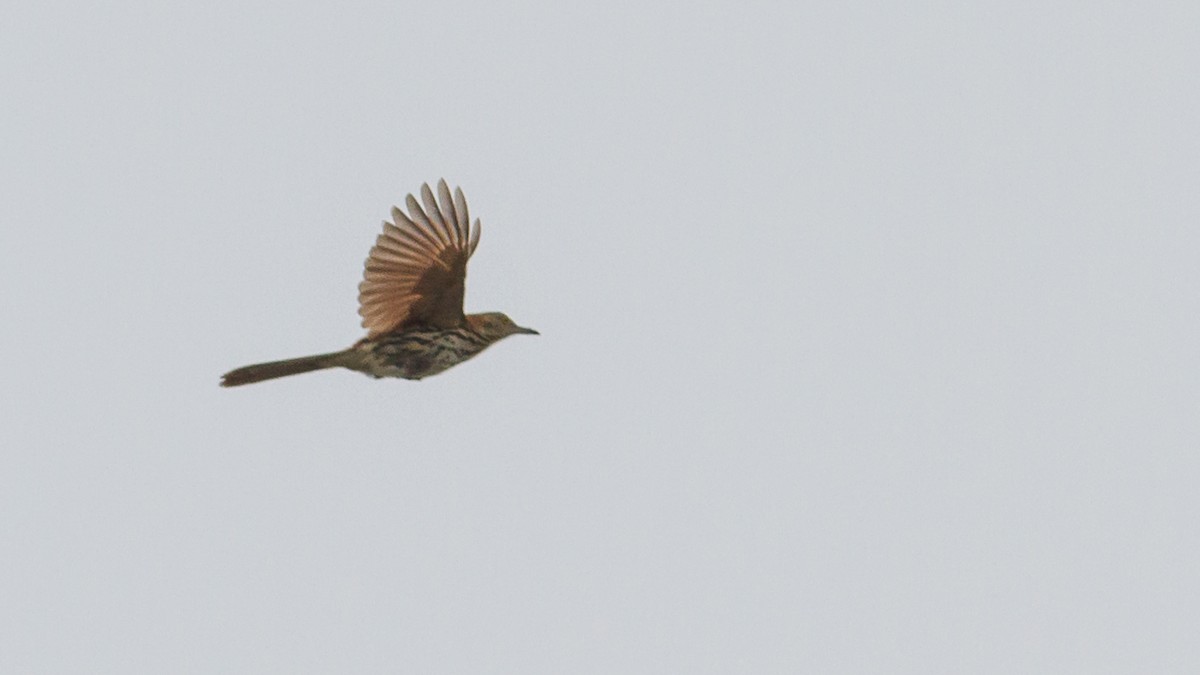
(416, 272)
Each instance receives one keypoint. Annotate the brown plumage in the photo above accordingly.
(410, 299)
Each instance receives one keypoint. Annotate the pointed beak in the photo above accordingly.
(527, 331)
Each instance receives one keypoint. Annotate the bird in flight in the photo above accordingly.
(410, 299)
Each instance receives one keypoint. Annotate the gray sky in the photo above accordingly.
(869, 339)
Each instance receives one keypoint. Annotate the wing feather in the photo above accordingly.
(416, 271)
(460, 210)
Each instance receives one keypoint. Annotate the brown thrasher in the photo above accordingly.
(411, 300)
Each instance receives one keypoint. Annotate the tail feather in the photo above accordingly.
(273, 369)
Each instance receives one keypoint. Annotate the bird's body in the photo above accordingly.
(410, 300)
(417, 353)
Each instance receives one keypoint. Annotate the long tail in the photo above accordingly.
(269, 371)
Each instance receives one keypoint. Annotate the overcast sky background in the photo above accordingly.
(869, 339)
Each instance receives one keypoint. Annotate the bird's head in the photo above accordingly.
(496, 325)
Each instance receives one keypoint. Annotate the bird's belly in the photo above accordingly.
(414, 356)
